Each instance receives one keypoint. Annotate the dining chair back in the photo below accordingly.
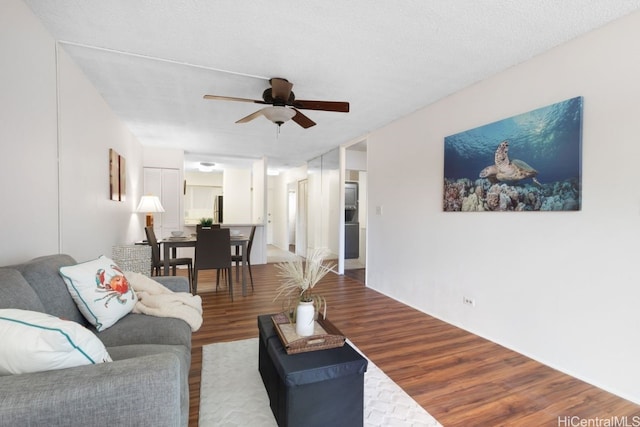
(212, 253)
(157, 264)
(200, 226)
(237, 258)
(155, 250)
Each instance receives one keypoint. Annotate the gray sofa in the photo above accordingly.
(145, 385)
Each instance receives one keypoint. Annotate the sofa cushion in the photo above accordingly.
(100, 290)
(143, 329)
(42, 274)
(142, 391)
(15, 291)
(183, 354)
(35, 342)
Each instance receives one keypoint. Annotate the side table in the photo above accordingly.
(317, 388)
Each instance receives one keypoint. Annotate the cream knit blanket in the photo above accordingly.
(156, 300)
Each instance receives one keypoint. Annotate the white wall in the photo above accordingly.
(55, 135)
(28, 165)
(559, 287)
(333, 217)
(236, 190)
(258, 191)
(91, 223)
(165, 158)
(210, 179)
(355, 160)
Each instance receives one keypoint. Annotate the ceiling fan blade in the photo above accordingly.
(340, 107)
(251, 116)
(280, 88)
(303, 120)
(231, 98)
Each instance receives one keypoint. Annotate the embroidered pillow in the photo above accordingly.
(100, 290)
(34, 342)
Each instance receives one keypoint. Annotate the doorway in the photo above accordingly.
(292, 203)
(356, 177)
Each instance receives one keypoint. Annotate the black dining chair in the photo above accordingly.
(158, 264)
(212, 253)
(237, 258)
(200, 226)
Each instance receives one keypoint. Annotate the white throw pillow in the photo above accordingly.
(34, 342)
(100, 290)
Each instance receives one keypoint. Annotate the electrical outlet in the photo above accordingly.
(469, 301)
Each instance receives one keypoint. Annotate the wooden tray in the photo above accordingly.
(325, 335)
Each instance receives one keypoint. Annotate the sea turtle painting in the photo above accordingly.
(505, 170)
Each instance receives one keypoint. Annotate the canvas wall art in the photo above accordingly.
(117, 176)
(528, 162)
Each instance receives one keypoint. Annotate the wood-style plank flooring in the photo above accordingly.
(459, 378)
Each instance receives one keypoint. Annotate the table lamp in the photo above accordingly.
(149, 205)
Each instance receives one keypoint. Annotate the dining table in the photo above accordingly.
(170, 244)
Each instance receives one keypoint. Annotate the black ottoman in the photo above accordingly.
(265, 366)
(317, 388)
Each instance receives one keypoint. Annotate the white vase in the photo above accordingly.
(305, 313)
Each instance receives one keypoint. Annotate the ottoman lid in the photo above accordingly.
(315, 366)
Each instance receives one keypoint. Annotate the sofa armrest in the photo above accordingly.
(175, 283)
(138, 391)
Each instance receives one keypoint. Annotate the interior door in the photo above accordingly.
(269, 217)
(171, 193)
(292, 213)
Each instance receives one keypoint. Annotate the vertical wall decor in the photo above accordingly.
(117, 176)
(528, 162)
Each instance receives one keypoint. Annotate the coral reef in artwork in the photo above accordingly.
(529, 162)
(481, 195)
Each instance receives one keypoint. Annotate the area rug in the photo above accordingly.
(232, 393)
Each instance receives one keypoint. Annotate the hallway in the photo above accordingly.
(353, 268)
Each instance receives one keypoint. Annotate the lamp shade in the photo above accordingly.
(278, 115)
(149, 204)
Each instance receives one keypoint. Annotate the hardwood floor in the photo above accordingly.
(459, 378)
(358, 274)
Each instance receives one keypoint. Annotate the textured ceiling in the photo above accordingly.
(153, 60)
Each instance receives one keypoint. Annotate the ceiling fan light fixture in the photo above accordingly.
(280, 96)
(278, 115)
